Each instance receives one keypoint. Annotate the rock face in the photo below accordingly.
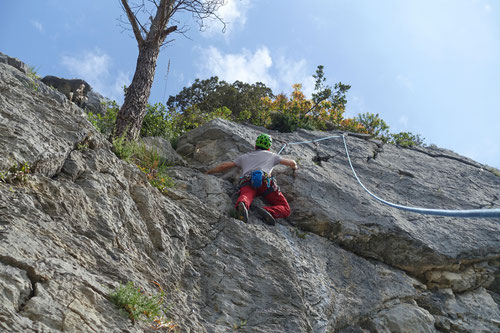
(85, 221)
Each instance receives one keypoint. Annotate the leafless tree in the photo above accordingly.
(151, 35)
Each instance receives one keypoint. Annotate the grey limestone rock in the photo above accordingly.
(85, 222)
(327, 200)
(14, 62)
(164, 149)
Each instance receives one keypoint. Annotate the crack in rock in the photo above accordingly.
(458, 159)
(30, 273)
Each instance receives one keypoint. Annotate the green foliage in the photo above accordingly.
(406, 139)
(494, 171)
(335, 96)
(105, 123)
(284, 122)
(242, 324)
(351, 125)
(136, 303)
(324, 111)
(287, 114)
(124, 149)
(18, 173)
(32, 73)
(373, 124)
(141, 306)
(33, 76)
(299, 234)
(193, 117)
(156, 122)
(242, 102)
(321, 90)
(148, 161)
(207, 99)
(204, 96)
(82, 146)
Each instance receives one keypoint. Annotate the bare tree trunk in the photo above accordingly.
(131, 115)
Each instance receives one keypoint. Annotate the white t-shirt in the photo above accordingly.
(257, 160)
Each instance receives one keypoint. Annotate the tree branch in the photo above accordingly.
(167, 31)
(133, 22)
(315, 105)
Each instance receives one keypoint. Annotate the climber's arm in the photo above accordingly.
(221, 167)
(289, 163)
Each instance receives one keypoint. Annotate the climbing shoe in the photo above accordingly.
(242, 212)
(268, 218)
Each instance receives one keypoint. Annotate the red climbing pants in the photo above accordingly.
(278, 206)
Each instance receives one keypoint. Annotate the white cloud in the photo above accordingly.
(233, 13)
(91, 66)
(291, 72)
(246, 67)
(122, 79)
(254, 67)
(94, 67)
(38, 26)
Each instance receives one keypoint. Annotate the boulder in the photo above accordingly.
(164, 149)
(96, 103)
(14, 62)
(78, 91)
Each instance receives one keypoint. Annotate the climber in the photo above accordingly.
(256, 179)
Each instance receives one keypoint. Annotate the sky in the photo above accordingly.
(430, 67)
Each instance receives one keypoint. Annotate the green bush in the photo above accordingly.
(16, 174)
(148, 161)
(283, 122)
(406, 139)
(141, 306)
(156, 122)
(105, 123)
(33, 73)
(373, 124)
(33, 76)
(136, 303)
(124, 149)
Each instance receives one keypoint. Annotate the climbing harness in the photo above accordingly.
(483, 213)
(252, 179)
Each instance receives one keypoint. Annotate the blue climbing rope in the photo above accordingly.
(465, 213)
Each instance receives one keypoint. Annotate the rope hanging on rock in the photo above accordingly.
(483, 213)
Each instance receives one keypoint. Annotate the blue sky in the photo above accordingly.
(431, 67)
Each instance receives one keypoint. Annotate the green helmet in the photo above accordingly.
(263, 141)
